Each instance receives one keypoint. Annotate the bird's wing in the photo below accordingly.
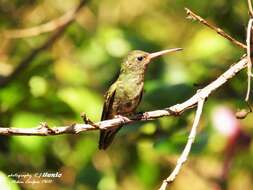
(106, 136)
(109, 98)
(141, 95)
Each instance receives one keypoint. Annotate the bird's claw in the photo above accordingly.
(171, 112)
(143, 115)
(121, 117)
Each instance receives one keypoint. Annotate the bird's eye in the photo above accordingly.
(140, 58)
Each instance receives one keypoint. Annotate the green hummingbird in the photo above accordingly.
(124, 95)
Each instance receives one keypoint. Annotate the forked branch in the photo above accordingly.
(184, 155)
(41, 130)
(198, 99)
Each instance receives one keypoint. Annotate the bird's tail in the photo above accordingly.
(107, 136)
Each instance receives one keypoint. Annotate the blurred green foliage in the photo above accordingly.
(72, 76)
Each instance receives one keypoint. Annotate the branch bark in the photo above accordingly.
(184, 155)
(249, 56)
(250, 8)
(44, 130)
(221, 32)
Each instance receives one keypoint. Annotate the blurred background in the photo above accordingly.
(73, 74)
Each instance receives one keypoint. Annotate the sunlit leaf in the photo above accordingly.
(82, 100)
(6, 182)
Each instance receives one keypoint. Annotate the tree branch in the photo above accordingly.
(221, 32)
(184, 155)
(43, 28)
(249, 56)
(27, 60)
(250, 8)
(44, 130)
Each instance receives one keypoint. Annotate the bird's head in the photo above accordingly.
(138, 60)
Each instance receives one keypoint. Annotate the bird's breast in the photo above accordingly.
(127, 97)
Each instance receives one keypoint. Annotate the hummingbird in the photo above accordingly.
(124, 95)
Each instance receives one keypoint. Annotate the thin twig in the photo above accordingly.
(250, 8)
(249, 48)
(194, 16)
(27, 60)
(43, 28)
(184, 155)
(178, 108)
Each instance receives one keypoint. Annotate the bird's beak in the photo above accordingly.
(159, 53)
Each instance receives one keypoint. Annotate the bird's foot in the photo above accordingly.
(86, 120)
(171, 112)
(142, 115)
(139, 116)
(123, 118)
